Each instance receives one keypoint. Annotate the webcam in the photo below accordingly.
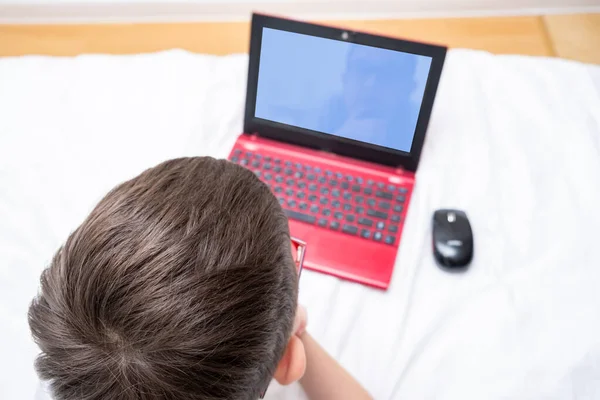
(347, 35)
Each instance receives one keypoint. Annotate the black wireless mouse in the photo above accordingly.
(452, 239)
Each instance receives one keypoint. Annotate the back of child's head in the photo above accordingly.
(180, 284)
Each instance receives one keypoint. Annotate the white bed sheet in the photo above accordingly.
(515, 141)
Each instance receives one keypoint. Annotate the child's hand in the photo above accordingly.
(300, 321)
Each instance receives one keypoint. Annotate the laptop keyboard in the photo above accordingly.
(348, 203)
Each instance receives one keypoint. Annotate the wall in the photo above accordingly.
(165, 10)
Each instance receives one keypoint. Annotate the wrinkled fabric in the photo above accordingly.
(514, 141)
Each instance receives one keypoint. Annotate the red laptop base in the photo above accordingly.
(349, 212)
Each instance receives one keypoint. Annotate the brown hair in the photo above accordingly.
(180, 284)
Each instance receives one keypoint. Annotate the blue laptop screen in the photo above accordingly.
(358, 92)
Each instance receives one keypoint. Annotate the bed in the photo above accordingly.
(513, 140)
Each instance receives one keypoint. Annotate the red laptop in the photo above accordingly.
(334, 123)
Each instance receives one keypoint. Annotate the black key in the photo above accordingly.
(291, 203)
(289, 182)
(347, 207)
(244, 162)
(322, 179)
(289, 192)
(400, 199)
(309, 219)
(255, 164)
(338, 215)
(335, 203)
(277, 170)
(237, 152)
(267, 166)
(390, 239)
(268, 159)
(347, 196)
(365, 233)
(335, 193)
(365, 221)
(377, 214)
(371, 202)
(298, 175)
(333, 182)
(279, 179)
(398, 208)
(359, 199)
(359, 210)
(370, 182)
(380, 225)
(248, 154)
(312, 187)
(325, 191)
(391, 188)
(314, 208)
(277, 161)
(303, 206)
(393, 228)
(334, 225)
(384, 195)
(301, 185)
(278, 189)
(345, 185)
(377, 236)
(312, 198)
(326, 212)
(235, 159)
(338, 175)
(317, 170)
(323, 222)
(301, 195)
(324, 200)
(356, 188)
(288, 163)
(267, 176)
(258, 156)
(281, 200)
(368, 191)
(307, 167)
(380, 185)
(349, 178)
(350, 218)
(395, 218)
(257, 172)
(289, 171)
(298, 166)
(403, 190)
(350, 229)
(359, 180)
(384, 205)
(310, 177)
(328, 173)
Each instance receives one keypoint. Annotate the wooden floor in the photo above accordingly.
(570, 36)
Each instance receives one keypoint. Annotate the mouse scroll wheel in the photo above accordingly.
(451, 217)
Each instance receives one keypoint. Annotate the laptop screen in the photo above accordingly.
(367, 94)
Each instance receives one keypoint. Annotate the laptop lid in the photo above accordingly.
(355, 94)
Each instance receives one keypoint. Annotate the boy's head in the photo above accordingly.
(179, 285)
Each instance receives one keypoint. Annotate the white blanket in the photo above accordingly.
(514, 141)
